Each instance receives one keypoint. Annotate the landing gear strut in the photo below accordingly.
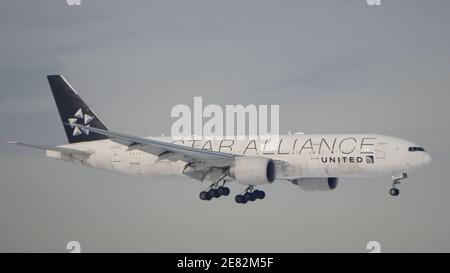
(396, 180)
(249, 194)
(215, 191)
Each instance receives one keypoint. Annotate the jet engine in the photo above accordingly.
(253, 170)
(316, 184)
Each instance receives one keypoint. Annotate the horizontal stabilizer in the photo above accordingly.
(76, 152)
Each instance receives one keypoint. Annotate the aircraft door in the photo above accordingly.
(116, 157)
(380, 151)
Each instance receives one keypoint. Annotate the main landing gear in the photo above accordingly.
(396, 180)
(249, 195)
(214, 191)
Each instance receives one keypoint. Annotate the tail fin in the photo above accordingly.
(72, 109)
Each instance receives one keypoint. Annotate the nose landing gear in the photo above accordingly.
(394, 191)
(396, 180)
(249, 194)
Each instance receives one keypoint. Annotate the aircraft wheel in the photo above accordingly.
(240, 199)
(212, 193)
(226, 191)
(259, 194)
(394, 192)
(220, 191)
(251, 196)
(247, 196)
(237, 199)
(203, 195)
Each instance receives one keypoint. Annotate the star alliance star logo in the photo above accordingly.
(85, 118)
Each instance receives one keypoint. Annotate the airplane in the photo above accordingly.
(313, 162)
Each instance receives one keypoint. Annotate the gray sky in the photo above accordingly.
(332, 66)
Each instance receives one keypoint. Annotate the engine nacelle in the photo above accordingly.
(316, 184)
(253, 170)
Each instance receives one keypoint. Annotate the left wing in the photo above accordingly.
(200, 164)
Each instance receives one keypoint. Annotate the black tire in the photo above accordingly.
(248, 196)
(251, 196)
(239, 199)
(203, 195)
(217, 193)
(259, 194)
(226, 191)
(220, 191)
(394, 192)
(244, 200)
(256, 193)
(212, 193)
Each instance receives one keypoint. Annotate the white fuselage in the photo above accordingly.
(331, 155)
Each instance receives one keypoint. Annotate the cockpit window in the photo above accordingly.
(416, 149)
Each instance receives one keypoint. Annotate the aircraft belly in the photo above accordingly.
(162, 168)
(143, 165)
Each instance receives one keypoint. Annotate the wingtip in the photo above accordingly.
(11, 142)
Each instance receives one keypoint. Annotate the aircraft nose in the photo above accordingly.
(427, 159)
